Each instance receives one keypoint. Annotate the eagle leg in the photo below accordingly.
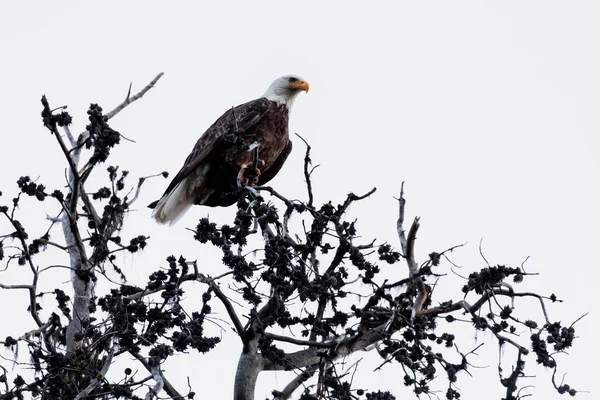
(251, 176)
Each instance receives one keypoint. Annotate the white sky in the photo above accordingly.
(488, 111)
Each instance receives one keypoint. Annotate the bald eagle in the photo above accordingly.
(253, 131)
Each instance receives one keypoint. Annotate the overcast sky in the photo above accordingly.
(487, 110)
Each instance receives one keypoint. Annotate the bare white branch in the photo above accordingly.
(34, 332)
(156, 389)
(130, 99)
(70, 136)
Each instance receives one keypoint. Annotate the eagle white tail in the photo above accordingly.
(174, 204)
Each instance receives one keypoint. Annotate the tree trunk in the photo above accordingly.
(250, 365)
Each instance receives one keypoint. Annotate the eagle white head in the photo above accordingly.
(285, 89)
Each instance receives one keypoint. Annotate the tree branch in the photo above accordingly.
(160, 382)
(313, 356)
(37, 331)
(33, 287)
(299, 342)
(130, 99)
(307, 173)
(139, 187)
(225, 300)
(291, 387)
(413, 267)
(171, 391)
(96, 380)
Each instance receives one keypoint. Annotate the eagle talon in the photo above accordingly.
(243, 180)
(257, 174)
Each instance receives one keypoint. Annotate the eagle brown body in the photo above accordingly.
(209, 175)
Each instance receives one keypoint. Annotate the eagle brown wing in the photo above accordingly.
(235, 121)
(271, 172)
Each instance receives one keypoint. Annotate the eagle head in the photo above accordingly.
(285, 89)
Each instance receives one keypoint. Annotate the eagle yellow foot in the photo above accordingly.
(248, 176)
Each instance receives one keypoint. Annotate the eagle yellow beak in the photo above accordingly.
(300, 85)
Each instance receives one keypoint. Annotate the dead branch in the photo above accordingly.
(307, 173)
(130, 99)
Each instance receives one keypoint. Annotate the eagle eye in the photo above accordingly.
(292, 80)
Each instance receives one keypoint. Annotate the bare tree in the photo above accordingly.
(310, 282)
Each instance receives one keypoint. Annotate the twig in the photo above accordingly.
(579, 319)
(50, 243)
(126, 138)
(462, 304)
(190, 277)
(307, 173)
(481, 253)
(130, 99)
(501, 339)
(139, 186)
(351, 198)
